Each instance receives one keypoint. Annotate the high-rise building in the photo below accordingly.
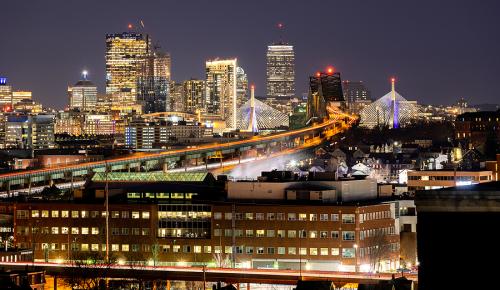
(5, 94)
(241, 87)
(220, 97)
(194, 93)
(325, 90)
(153, 83)
(280, 71)
(125, 57)
(177, 97)
(83, 95)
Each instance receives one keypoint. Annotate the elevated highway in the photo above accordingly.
(180, 157)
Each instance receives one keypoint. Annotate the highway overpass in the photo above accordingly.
(180, 157)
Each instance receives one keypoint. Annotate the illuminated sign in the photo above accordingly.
(3, 81)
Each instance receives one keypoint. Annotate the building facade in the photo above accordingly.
(280, 71)
(125, 57)
(221, 84)
(83, 96)
(436, 179)
(194, 92)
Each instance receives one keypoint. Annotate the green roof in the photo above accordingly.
(151, 176)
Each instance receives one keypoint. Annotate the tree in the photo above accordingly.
(379, 249)
(87, 270)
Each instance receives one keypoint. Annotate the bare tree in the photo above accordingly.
(380, 249)
(87, 270)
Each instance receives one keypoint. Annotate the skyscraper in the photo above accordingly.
(177, 97)
(220, 97)
(194, 93)
(325, 90)
(153, 83)
(83, 95)
(125, 57)
(241, 87)
(280, 71)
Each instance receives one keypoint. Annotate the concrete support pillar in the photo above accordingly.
(206, 161)
(165, 166)
(248, 286)
(168, 285)
(55, 282)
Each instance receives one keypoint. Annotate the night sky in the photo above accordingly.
(438, 50)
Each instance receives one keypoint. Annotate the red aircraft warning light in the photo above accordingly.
(318, 74)
(129, 26)
(329, 70)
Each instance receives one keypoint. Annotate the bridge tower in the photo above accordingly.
(252, 123)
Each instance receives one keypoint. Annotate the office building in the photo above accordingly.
(177, 97)
(220, 96)
(153, 83)
(280, 71)
(158, 134)
(29, 132)
(154, 220)
(194, 92)
(5, 95)
(325, 94)
(21, 96)
(42, 132)
(83, 95)
(241, 87)
(125, 57)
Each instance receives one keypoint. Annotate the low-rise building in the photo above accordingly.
(435, 179)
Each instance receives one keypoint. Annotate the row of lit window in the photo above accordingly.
(346, 218)
(24, 214)
(81, 231)
(346, 235)
(374, 215)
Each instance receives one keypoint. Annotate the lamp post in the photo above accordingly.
(220, 245)
(356, 256)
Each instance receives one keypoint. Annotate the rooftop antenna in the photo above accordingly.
(85, 73)
(281, 28)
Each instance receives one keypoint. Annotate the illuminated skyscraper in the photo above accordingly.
(220, 98)
(241, 87)
(177, 97)
(194, 93)
(153, 83)
(280, 71)
(125, 57)
(83, 95)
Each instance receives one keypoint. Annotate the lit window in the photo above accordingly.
(125, 248)
(55, 213)
(115, 247)
(115, 214)
(292, 251)
(324, 252)
(217, 215)
(348, 218)
(95, 231)
(135, 215)
(94, 247)
(85, 231)
(313, 234)
(35, 213)
(85, 247)
(55, 230)
(313, 251)
(281, 250)
(64, 230)
(207, 249)
(75, 231)
(85, 214)
(228, 216)
(303, 251)
(75, 214)
(348, 235)
(197, 249)
(45, 213)
(334, 217)
(302, 217)
(260, 233)
(348, 253)
(145, 214)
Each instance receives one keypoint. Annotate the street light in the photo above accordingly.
(356, 256)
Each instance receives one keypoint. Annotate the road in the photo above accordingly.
(273, 276)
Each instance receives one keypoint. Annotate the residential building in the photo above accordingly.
(194, 92)
(221, 84)
(477, 129)
(241, 87)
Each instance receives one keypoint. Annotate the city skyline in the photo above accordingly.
(433, 52)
